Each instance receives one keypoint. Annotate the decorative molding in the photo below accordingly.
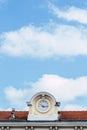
(26, 128)
(75, 128)
(50, 128)
(2, 128)
(78, 128)
(60, 124)
(7, 128)
(56, 128)
(32, 128)
(81, 128)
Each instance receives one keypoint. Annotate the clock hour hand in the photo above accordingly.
(44, 105)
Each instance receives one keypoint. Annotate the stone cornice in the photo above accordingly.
(67, 124)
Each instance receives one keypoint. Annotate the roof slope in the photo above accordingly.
(65, 115)
(19, 115)
(74, 115)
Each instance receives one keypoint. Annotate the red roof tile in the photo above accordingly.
(74, 115)
(65, 115)
(19, 115)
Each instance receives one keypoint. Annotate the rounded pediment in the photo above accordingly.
(43, 106)
(43, 95)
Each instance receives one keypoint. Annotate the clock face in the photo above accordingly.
(43, 105)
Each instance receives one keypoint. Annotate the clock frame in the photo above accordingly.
(43, 105)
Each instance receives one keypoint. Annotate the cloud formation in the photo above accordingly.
(2, 2)
(15, 96)
(63, 89)
(70, 14)
(38, 42)
(74, 107)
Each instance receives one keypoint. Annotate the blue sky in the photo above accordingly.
(43, 47)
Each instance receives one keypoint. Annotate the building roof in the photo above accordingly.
(65, 115)
(74, 115)
(19, 115)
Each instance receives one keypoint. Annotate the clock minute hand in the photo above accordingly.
(44, 106)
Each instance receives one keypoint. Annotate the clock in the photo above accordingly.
(43, 105)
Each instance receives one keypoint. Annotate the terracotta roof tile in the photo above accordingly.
(19, 115)
(74, 115)
(65, 115)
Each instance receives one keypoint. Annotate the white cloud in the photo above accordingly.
(63, 89)
(74, 107)
(70, 14)
(2, 2)
(38, 42)
(16, 97)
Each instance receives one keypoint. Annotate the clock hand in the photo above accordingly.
(44, 106)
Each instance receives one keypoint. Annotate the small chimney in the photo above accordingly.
(57, 104)
(59, 115)
(12, 114)
(29, 104)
